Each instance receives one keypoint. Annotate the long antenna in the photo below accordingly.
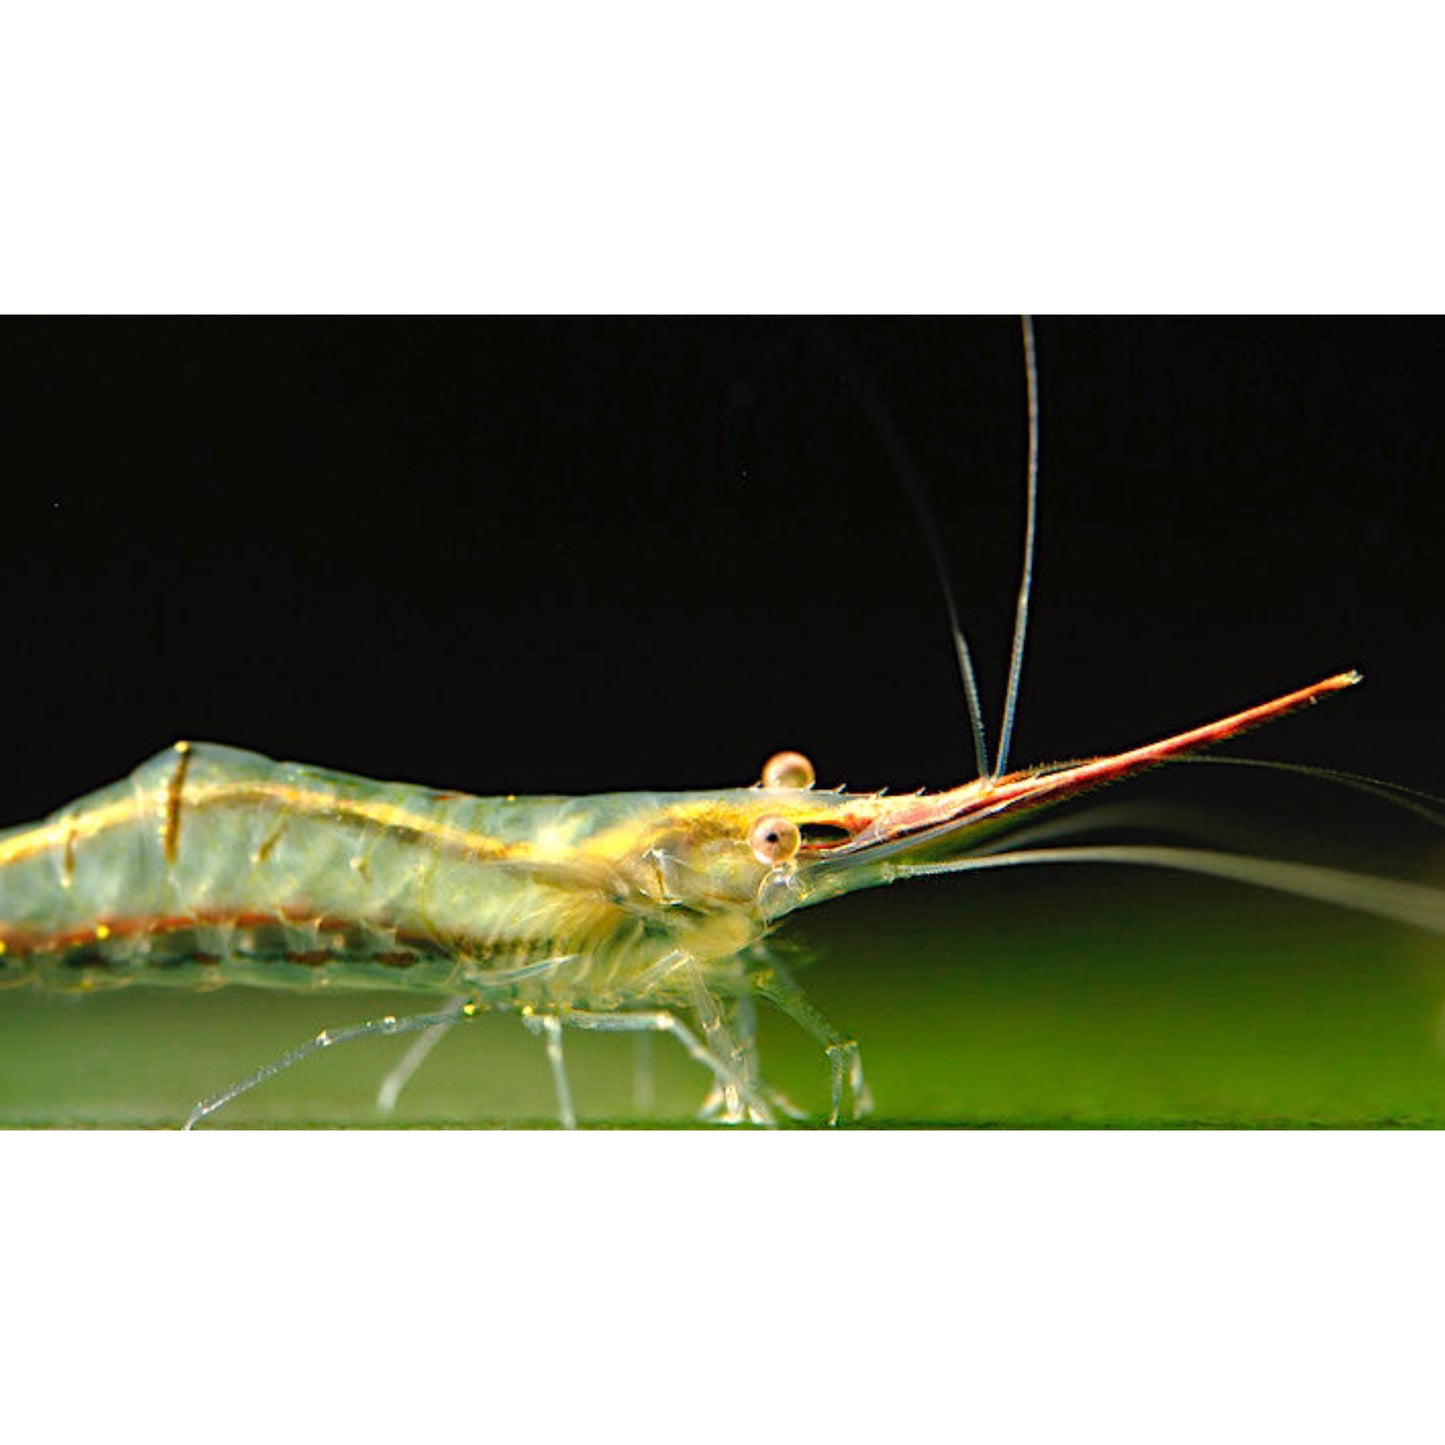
(918, 494)
(1026, 581)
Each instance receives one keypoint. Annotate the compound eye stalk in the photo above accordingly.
(774, 840)
(788, 770)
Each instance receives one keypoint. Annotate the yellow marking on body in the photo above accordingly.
(171, 833)
(102, 932)
(702, 817)
(53, 835)
(386, 815)
(269, 845)
(197, 796)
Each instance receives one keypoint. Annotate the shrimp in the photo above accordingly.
(212, 866)
(640, 912)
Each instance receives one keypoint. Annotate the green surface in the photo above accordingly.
(1104, 1000)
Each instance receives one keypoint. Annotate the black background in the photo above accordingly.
(549, 555)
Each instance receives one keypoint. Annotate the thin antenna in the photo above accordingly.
(857, 379)
(1026, 581)
(961, 651)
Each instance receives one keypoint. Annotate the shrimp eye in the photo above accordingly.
(774, 840)
(788, 770)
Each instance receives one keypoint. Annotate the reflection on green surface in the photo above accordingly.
(1100, 1000)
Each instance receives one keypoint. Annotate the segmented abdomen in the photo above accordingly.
(211, 865)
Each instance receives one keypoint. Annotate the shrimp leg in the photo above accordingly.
(664, 1021)
(724, 1103)
(410, 1062)
(390, 1024)
(731, 1057)
(644, 1089)
(551, 1031)
(744, 1024)
(777, 986)
(725, 1043)
(734, 1036)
